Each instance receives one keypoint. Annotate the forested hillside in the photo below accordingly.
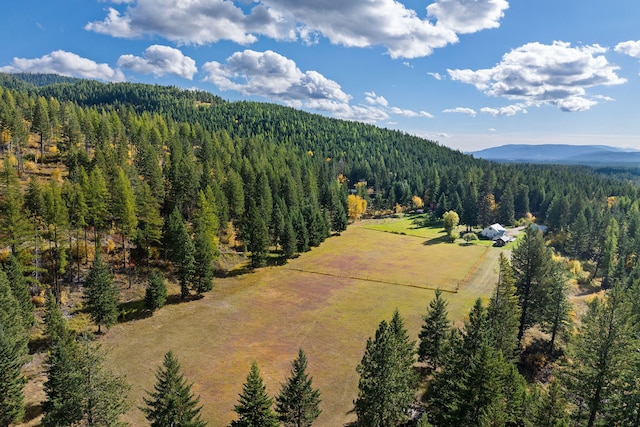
(154, 182)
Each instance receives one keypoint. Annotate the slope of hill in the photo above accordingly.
(561, 153)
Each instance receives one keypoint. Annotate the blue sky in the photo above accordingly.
(467, 73)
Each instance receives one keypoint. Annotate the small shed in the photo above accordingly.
(493, 231)
(503, 240)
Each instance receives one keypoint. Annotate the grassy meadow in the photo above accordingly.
(327, 301)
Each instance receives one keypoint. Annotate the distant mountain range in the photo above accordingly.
(561, 153)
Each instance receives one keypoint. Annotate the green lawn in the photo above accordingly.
(327, 301)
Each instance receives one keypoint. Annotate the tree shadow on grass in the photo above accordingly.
(31, 412)
(436, 241)
(136, 310)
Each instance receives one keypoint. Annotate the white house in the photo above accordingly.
(493, 231)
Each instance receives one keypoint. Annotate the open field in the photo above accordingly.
(328, 302)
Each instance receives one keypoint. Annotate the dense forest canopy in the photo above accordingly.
(168, 177)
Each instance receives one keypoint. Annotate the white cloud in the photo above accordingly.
(462, 110)
(468, 16)
(160, 60)
(354, 23)
(555, 74)
(374, 99)
(509, 110)
(66, 64)
(271, 75)
(410, 113)
(631, 48)
(436, 76)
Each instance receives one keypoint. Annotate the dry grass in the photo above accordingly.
(268, 314)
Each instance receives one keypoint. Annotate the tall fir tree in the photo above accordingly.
(298, 403)
(556, 316)
(204, 256)
(597, 358)
(11, 317)
(531, 261)
(79, 390)
(19, 286)
(434, 331)
(254, 404)
(11, 381)
(172, 403)
(156, 292)
(102, 297)
(387, 382)
(504, 312)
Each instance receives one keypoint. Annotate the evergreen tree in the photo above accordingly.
(172, 403)
(288, 240)
(387, 382)
(504, 312)
(507, 207)
(434, 332)
(149, 220)
(55, 327)
(204, 256)
(182, 251)
(14, 225)
(11, 381)
(78, 388)
(549, 406)
(123, 206)
(101, 296)
(11, 317)
(156, 293)
(18, 283)
(298, 404)
(530, 261)
(254, 404)
(556, 316)
(597, 357)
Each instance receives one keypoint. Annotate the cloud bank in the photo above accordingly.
(536, 74)
(66, 64)
(354, 23)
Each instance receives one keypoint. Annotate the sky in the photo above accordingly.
(469, 74)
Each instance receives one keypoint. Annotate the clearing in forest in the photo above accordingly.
(327, 302)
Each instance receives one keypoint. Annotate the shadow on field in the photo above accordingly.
(31, 412)
(135, 310)
(436, 241)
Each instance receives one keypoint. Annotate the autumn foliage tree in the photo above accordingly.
(356, 206)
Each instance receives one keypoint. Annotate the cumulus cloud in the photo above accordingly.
(468, 16)
(160, 60)
(631, 48)
(354, 23)
(410, 113)
(66, 64)
(556, 74)
(461, 110)
(509, 110)
(271, 75)
(436, 76)
(374, 99)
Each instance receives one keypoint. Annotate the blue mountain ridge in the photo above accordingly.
(560, 153)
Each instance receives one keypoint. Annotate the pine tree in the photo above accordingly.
(203, 256)
(298, 404)
(387, 382)
(156, 292)
(11, 381)
(504, 312)
(102, 297)
(18, 283)
(597, 357)
(172, 403)
(549, 406)
(530, 261)
(254, 405)
(149, 220)
(434, 331)
(123, 206)
(55, 327)
(556, 317)
(11, 317)
(78, 388)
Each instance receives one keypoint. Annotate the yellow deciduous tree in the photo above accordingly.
(357, 205)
